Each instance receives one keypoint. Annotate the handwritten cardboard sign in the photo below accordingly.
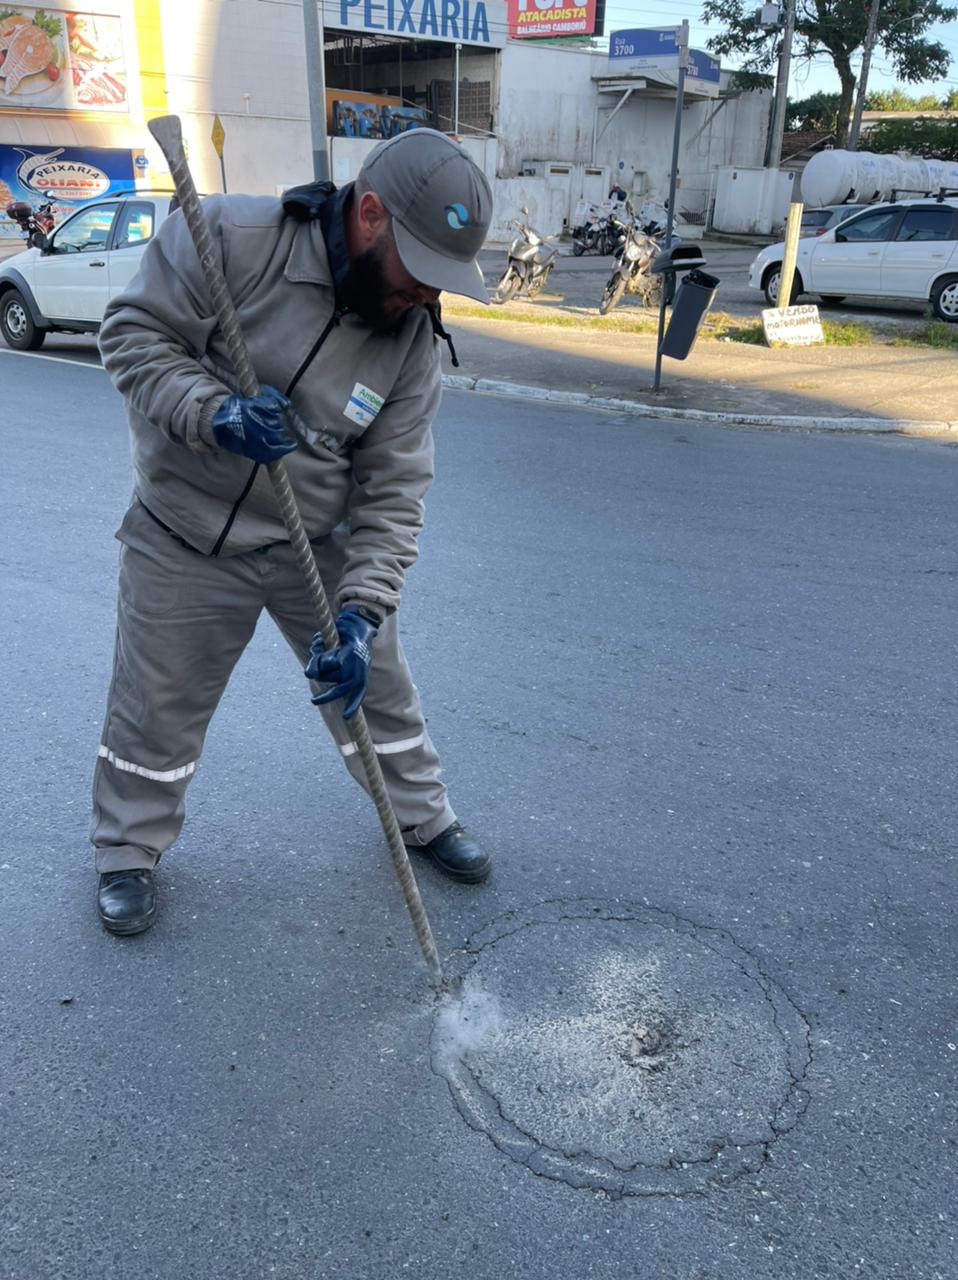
(792, 326)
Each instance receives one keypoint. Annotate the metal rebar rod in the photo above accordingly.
(167, 132)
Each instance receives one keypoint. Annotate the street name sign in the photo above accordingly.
(654, 52)
(792, 326)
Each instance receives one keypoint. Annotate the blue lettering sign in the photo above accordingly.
(642, 43)
(704, 67)
(450, 18)
(480, 24)
(428, 23)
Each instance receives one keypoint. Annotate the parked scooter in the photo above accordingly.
(589, 235)
(594, 233)
(599, 226)
(32, 221)
(531, 259)
(636, 248)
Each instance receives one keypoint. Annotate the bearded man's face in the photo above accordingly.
(380, 289)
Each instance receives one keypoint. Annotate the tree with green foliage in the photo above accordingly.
(925, 136)
(898, 100)
(837, 29)
(817, 111)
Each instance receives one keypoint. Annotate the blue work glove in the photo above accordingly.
(345, 668)
(254, 426)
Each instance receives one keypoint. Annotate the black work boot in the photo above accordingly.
(126, 900)
(457, 854)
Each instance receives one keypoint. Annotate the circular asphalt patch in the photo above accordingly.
(620, 1048)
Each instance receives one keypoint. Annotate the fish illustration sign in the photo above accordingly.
(56, 59)
(474, 22)
(67, 175)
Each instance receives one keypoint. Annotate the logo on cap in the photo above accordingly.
(457, 215)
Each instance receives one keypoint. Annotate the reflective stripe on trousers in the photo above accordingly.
(183, 622)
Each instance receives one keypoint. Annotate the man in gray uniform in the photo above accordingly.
(337, 295)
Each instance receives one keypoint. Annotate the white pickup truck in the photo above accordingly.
(87, 260)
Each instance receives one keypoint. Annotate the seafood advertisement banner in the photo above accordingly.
(56, 59)
(67, 176)
(550, 18)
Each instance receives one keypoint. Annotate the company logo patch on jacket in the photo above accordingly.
(362, 405)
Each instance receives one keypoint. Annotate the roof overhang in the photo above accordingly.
(649, 87)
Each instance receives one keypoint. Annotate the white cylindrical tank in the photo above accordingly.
(832, 177)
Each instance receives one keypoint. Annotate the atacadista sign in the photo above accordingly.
(477, 22)
(548, 18)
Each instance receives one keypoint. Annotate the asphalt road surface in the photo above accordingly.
(695, 688)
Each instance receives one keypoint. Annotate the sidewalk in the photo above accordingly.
(877, 381)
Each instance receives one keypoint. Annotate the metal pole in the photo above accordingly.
(455, 95)
(773, 149)
(223, 172)
(792, 230)
(871, 34)
(316, 87)
(668, 277)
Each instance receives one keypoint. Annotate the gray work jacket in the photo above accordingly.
(363, 407)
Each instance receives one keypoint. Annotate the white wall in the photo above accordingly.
(549, 110)
(245, 61)
(546, 101)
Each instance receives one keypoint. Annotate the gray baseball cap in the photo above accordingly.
(441, 206)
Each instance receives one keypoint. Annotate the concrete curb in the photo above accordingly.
(635, 408)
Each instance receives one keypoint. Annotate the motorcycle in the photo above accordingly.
(585, 237)
(531, 259)
(39, 221)
(592, 234)
(597, 227)
(637, 246)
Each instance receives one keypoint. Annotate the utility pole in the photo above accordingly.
(668, 277)
(773, 148)
(316, 88)
(870, 37)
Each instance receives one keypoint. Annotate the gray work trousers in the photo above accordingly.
(183, 621)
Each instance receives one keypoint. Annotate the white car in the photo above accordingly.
(93, 255)
(907, 249)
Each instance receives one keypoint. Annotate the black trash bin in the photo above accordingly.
(692, 300)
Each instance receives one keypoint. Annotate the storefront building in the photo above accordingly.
(75, 87)
(549, 123)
